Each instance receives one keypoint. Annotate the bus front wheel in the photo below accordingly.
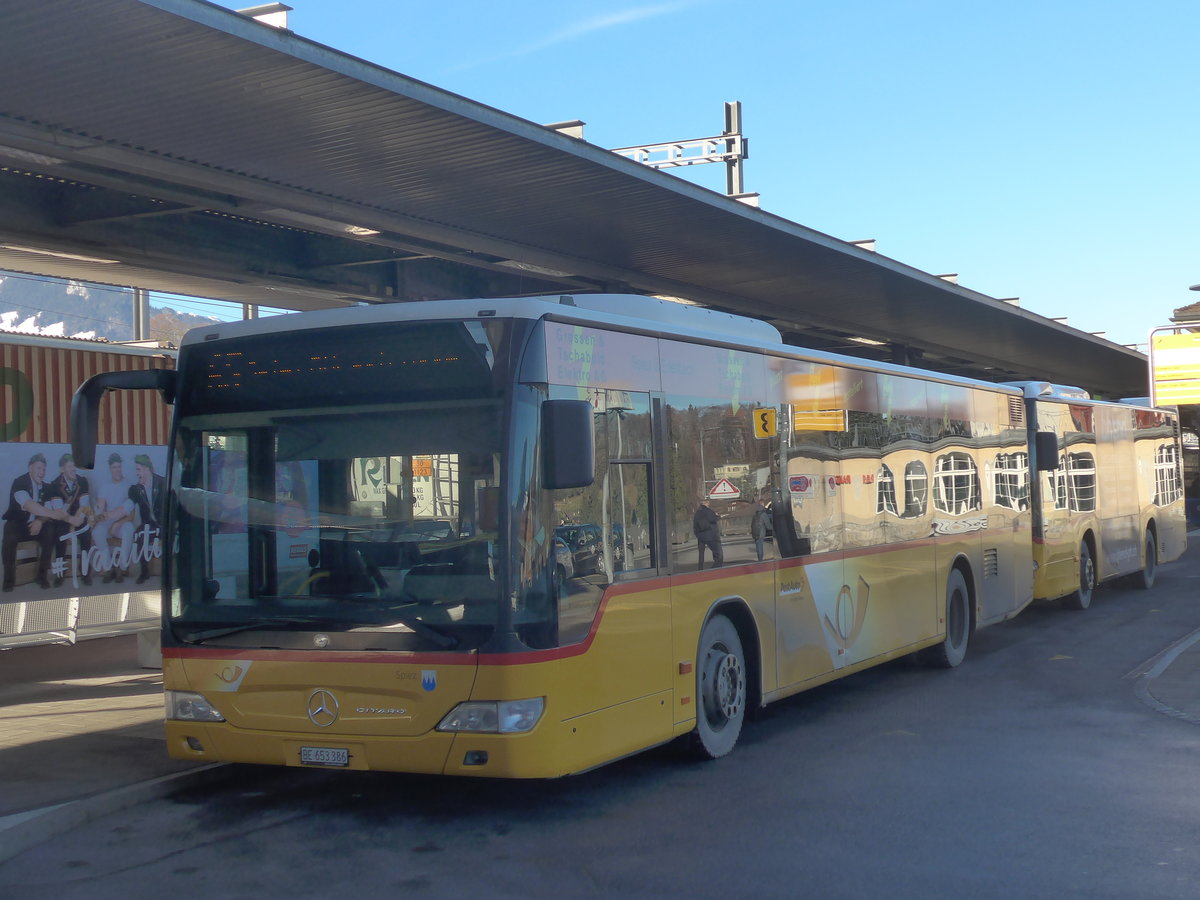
(720, 689)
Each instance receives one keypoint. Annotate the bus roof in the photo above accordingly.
(612, 309)
(626, 312)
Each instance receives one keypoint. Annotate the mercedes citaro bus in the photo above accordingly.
(360, 558)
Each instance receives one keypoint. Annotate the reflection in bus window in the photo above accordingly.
(629, 504)
(1012, 480)
(605, 529)
(1081, 468)
(1075, 483)
(224, 475)
(916, 489)
(1168, 487)
(886, 492)
(336, 522)
(956, 484)
(712, 453)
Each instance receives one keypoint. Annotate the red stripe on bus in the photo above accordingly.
(390, 657)
(365, 656)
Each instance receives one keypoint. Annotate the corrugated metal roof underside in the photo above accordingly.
(208, 112)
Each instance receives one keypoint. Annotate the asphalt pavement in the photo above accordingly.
(81, 730)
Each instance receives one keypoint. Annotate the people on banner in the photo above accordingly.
(70, 496)
(115, 513)
(29, 518)
(148, 493)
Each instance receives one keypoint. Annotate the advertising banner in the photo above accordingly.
(70, 532)
(81, 549)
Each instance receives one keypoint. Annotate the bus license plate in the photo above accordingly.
(324, 756)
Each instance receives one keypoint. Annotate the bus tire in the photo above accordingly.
(1145, 578)
(720, 689)
(953, 648)
(1082, 598)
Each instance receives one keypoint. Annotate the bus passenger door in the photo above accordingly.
(607, 534)
(887, 599)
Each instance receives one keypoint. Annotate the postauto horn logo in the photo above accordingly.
(849, 615)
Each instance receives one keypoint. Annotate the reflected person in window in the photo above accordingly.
(760, 527)
(706, 525)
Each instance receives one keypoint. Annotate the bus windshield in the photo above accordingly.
(357, 526)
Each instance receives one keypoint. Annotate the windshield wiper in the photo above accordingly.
(429, 632)
(199, 637)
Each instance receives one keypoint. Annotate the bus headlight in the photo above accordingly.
(190, 707)
(494, 716)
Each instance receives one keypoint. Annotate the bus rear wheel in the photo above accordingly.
(953, 649)
(720, 689)
(1145, 578)
(1082, 598)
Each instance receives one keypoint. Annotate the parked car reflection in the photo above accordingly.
(564, 562)
(587, 548)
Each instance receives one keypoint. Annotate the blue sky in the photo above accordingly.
(1041, 150)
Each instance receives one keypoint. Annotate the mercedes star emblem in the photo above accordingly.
(322, 708)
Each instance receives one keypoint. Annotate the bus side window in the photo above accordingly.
(604, 530)
(631, 536)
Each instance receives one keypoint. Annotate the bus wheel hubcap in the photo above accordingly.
(726, 691)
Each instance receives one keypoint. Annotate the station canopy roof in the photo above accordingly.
(181, 147)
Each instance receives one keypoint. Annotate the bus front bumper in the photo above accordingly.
(434, 753)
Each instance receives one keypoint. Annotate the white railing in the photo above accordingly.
(70, 619)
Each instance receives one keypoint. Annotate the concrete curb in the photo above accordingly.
(1146, 673)
(21, 831)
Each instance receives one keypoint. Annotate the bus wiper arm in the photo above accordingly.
(199, 637)
(429, 632)
(424, 629)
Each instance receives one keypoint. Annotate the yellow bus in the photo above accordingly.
(1113, 504)
(526, 537)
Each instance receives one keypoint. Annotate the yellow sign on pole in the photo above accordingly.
(1174, 367)
(765, 423)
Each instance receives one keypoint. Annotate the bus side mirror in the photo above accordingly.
(1045, 446)
(85, 405)
(568, 446)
